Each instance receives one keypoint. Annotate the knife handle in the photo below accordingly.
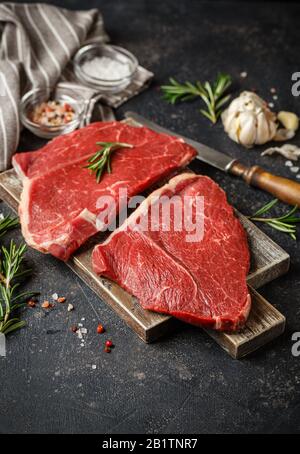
(282, 188)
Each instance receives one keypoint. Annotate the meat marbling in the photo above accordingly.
(58, 203)
(203, 283)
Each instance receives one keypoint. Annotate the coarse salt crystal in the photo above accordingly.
(298, 176)
(275, 97)
(83, 319)
(80, 324)
(94, 366)
(54, 296)
(70, 307)
(1, 216)
(244, 74)
(106, 68)
(271, 104)
(294, 169)
(84, 330)
(288, 163)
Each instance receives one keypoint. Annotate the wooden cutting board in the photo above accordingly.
(268, 261)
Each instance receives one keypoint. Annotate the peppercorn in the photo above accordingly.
(108, 343)
(100, 329)
(61, 299)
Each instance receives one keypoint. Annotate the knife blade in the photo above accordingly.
(206, 154)
(282, 188)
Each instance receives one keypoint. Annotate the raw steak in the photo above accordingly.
(202, 282)
(58, 204)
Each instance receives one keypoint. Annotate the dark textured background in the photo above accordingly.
(185, 383)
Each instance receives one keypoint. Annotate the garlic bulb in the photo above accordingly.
(249, 121)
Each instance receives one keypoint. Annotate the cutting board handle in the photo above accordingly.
(282, 188)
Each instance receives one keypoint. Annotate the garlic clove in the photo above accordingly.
(289, 120)
(247, 130)
(234, 128)
(263, 132)
(284, 134)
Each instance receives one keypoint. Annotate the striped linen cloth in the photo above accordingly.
(37, 42)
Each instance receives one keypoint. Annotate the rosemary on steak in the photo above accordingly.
(211, 94)
(101, 160)
(286, 223)
(11, 274)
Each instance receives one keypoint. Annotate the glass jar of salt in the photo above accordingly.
(108, 68)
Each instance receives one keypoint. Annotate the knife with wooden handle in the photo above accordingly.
(282, 188)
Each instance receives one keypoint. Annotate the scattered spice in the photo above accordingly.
(107, 349)
(74, 329)
(100, 329)
(108, 343)
(47, 305)
(52, 113)
(289, 163)
(61, 299)
(81, 332)
(31, 303)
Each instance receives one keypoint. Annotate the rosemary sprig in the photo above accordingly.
(11, 272)
(7, 223)
(100, 161)
(286, 223)
(211, 94)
